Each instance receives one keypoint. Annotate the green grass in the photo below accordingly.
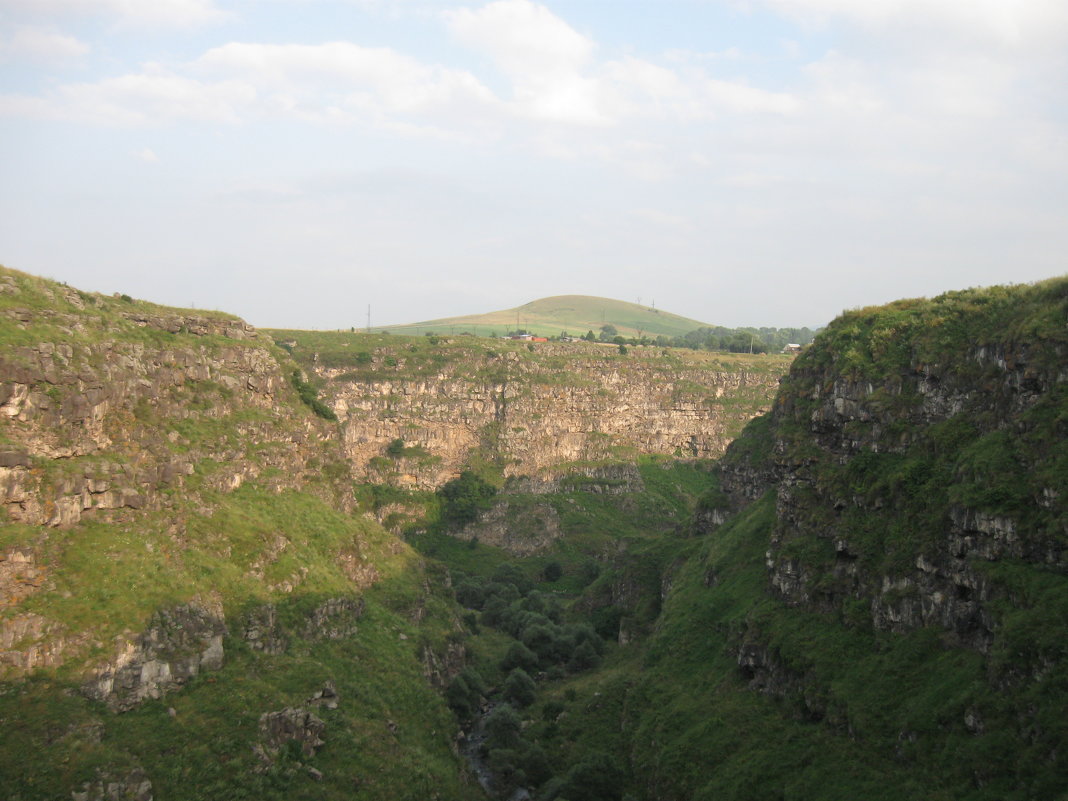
(61, 314)
(574, 314)
(205, 750)
(108, 578)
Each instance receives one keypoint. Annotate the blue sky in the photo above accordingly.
(741, 162)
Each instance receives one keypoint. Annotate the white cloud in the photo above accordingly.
(154, 96)
(147, 13)
(147, 155)
(41, 45)
(1011, 23)
(522, 37)
(342, 75)
(543, 57)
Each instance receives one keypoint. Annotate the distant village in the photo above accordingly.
(737, 342)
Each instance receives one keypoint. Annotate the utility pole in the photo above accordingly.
(368, 318)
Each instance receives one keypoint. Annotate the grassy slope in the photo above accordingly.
(391, 735)
(575, 314)
(368, 357)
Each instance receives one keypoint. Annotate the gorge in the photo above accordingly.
(723, 575)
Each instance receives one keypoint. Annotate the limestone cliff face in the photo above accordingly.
(533, 420)
(81, 406)
(110, 413)
(902, 480)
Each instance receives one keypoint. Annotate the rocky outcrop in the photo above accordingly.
(292, 724)
(178, 644)
(521, 528)
(334, 619)
(29, 640)
(87, 404)
(262, 631)
(132, 785)
(949, 451)
(442, 667)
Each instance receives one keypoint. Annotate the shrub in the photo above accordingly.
(309, 395)
(464, 497)
(519, 688)
(551, 710)
(503, 725)
(584, 657)
(596, 778)
(459, 698)
(519, 656)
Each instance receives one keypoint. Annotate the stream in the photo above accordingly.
(471, 748)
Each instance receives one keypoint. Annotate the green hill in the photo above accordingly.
(573, 314)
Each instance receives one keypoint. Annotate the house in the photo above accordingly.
(792, 348)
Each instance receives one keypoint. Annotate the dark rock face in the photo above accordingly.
(262, 630)
(131, 786)
(292, 724)
(178, 644)
(334, 619)
(941, 462)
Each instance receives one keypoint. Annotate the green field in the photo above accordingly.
(573, 314)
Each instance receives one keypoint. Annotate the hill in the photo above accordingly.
(573, 314)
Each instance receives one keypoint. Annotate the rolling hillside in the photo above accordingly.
(574, 314)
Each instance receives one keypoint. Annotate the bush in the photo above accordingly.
(584, 657)
(464, 693)
(551, 710)
(519, 689)
(596, 778)
(552, 572)
(503, 725)
(309, 395)
(507, 573)
(470, 594)
(464, 497)
(458, 696)
(519, 656)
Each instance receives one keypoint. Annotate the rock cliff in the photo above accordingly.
(535, 411)
(903, 470)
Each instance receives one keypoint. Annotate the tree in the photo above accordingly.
(503, 725)
(584, 656)
(519, 656)
(519, 688)
(552, 572)
(464, 497)
(310, 396)
(461, 699)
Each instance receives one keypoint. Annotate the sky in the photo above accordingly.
(740, 162)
